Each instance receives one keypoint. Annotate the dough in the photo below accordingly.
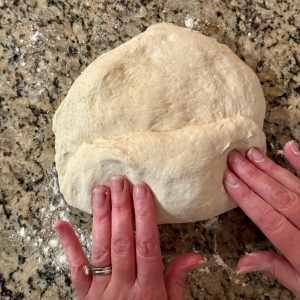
(166, 108)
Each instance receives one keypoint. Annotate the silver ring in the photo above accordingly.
(97, 270)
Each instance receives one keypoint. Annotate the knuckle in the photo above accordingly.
(69, 248)
(252, 172)
(270, 167)
(272, 220)
(119, 201)
(283, 198)
(273, 270)
(148, 248)
(274, 267)
(121, 244)
(143, 209)
(76, 269)
(101, 216)
(100, 252)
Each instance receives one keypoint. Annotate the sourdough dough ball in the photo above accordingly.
(165, 108)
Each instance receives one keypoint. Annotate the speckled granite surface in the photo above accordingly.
(44, 45)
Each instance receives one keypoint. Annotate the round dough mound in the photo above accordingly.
(166, 108)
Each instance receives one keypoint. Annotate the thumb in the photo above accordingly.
(273, 264)
(176, 274)
(75, 257)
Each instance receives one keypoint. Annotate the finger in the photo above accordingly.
(273, 264)
(148, 254)
(75, 257)
(283, 176)
(101, 232)
(122, 243)
(176, 274)
(292, 154)
(269, 189)
(283, 234)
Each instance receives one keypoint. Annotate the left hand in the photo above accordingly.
(137, 268)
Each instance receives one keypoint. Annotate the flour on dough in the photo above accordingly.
(166, 108)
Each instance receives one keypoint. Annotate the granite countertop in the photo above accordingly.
(44, 45)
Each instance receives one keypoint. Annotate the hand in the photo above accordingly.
(137, 268)
(270, 196)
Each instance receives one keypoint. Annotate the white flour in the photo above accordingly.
(40, 241)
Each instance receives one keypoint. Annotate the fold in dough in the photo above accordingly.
(185, 166)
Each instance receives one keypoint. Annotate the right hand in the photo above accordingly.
(270, 196)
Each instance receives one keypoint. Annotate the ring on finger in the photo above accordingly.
(89, 269)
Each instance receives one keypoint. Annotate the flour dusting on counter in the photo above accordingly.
(40, 241)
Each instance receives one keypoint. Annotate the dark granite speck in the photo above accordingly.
(44, 46)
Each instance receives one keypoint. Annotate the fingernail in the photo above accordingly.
(140, 190)
(235, 157)
(294, 147)
(231, 180)
(117, 184)
(100, 194)
(255, 155)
